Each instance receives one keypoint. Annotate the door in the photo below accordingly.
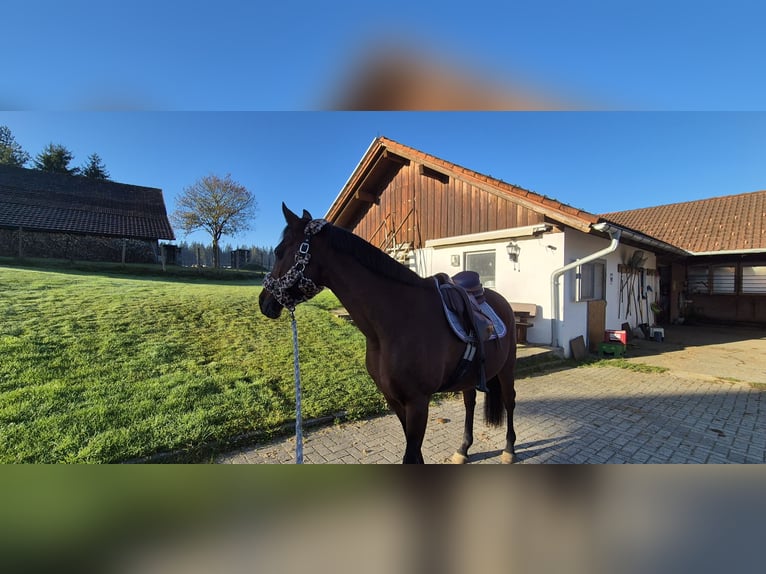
(596, 323)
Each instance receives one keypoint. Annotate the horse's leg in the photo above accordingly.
(416, 412)
(507, 382)
(469, 400)
(398, 408)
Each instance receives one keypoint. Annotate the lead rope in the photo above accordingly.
(297, 370)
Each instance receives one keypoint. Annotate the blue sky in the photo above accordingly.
(598, 161)
(167, 92)
(289, 55)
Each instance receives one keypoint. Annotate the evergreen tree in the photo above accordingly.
(95, 168)
(55, 158)
(11, 153)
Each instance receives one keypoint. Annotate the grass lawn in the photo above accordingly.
(107, 368)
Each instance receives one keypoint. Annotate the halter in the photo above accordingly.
(280, 287)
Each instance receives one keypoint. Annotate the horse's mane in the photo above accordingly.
(369, 256)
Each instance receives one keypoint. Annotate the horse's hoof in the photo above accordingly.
(458, 458)
(508, 457)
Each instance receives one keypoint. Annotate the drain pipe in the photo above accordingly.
(614, 234)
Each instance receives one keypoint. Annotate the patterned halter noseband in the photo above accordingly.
(279, 287)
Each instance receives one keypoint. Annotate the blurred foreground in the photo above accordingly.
(166, 519)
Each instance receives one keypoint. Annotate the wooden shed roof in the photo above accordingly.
(43, 201)
(385, 156)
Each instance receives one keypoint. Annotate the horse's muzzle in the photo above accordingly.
(269, 305)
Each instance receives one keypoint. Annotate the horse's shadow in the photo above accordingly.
(524, 451)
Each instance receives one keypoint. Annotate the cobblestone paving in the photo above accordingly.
(580, 415)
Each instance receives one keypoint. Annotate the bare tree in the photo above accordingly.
(220, 206)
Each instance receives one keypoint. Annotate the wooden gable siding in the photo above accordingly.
(415, 207)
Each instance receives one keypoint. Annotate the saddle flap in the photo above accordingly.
(454, 300)
(470, 320)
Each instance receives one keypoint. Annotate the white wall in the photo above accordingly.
(527, 281)
(573, 314)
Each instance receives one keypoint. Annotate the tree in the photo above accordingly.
(220, 206)
(95, 168)
(55, 158)
(11, 153)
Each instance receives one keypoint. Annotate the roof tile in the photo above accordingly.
(57, 202)
(727, 223)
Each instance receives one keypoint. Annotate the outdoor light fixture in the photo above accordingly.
(513, 250)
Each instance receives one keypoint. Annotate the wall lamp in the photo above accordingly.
(513, 250)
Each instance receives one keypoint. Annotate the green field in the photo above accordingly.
(100, 367)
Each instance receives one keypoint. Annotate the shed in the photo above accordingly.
(56, 215)
(722, 276)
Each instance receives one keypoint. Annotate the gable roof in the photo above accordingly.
(43, 201)
(385, 155)
(732, 223)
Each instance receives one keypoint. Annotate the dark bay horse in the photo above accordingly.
(411, 351)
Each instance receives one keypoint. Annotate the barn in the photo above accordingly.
(52, 215)
(573, 273)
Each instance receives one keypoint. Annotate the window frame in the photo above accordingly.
(719, 284)
(581, 273)
(744, 283)
(491, 283)
(714, 282)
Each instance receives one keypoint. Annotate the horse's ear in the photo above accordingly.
(290, 217)
(306, 215)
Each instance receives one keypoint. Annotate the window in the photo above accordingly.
(707, 279)
(590, 281)
(723, 278)
(754, 278)
(483, 263)
(697, 279)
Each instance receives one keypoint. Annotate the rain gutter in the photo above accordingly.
(614, 234)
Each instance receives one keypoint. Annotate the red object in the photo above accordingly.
(612, 336)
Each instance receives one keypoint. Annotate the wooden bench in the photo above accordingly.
(523, 312)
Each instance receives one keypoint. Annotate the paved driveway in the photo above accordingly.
(696, 412)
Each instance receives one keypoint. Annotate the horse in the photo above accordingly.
(411, 353)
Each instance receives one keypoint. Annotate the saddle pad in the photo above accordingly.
(459, 330)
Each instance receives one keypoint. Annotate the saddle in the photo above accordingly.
(464, 301)
(471, 318)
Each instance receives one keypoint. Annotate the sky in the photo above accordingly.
(597, 161)
(671, 94)
(293, 55)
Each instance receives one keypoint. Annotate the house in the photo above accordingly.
(573, 267)
(722, 277)
(56, 215)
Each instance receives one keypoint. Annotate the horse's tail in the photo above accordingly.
(493, 403)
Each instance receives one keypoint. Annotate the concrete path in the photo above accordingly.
(704, 409)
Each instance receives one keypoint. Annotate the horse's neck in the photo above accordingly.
(372, 301)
